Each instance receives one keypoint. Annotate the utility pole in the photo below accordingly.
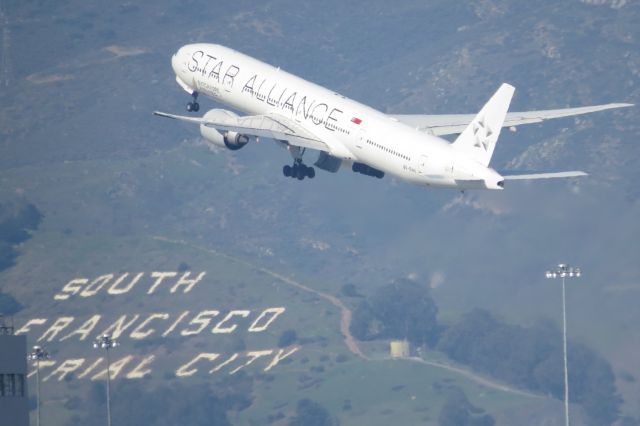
(564, 271)
(38, 354)
(106, 342)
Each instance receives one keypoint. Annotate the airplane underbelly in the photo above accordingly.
(390, 165)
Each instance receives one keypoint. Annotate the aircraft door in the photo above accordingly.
(423, 164)
(361, 139)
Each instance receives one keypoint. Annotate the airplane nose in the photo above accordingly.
(175, 62)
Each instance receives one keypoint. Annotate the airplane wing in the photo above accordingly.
(271, 126)
(456, 123)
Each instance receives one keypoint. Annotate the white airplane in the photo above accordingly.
(301, 116)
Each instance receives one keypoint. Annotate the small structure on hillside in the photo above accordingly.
(399, 348)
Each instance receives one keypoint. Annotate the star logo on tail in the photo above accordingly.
(482, 132)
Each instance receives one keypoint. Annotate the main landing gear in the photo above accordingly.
(194, 105)
(299, 170)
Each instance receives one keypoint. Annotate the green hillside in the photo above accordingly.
(130, 229)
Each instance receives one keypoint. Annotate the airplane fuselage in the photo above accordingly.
(353, 132)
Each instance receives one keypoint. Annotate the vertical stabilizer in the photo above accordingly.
(479, 139)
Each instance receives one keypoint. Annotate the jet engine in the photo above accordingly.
(230, 140)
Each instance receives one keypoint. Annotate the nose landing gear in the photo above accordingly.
(194, 105)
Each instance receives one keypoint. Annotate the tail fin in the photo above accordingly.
(479, 139)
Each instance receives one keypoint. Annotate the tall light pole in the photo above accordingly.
(106, 342)
(565, 271)
(38, 354)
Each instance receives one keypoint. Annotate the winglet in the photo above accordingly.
(479, 139)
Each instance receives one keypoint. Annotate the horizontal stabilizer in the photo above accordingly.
(531, 176)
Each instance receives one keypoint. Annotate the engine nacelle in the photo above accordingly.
(367, 170)
(230, 140)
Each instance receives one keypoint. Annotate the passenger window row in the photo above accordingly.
(389, 150)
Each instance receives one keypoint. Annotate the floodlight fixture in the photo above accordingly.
(105, 342)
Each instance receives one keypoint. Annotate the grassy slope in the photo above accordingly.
(87, 238)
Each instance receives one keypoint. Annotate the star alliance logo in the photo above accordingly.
(482, 132)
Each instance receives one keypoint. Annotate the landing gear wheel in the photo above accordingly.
(298, 170)
(193, 105)
(305, 171)
(311, 172)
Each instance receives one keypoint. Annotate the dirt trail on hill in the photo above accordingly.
(345, 313)
(474, 377)
(345, 321)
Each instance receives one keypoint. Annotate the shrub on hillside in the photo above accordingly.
(532, 358)
(401, 310)
(310, 413)
(9, 305)
(458, 411)
(16, 220)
